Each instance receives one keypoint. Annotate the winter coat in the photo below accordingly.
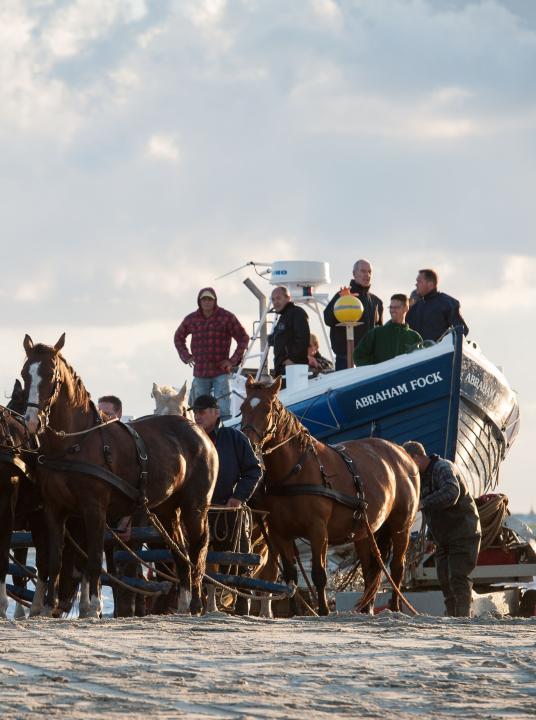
(385, 342)
(239, 470)
(290, 337)
(372, 316)
(447, 506)
(432, 315)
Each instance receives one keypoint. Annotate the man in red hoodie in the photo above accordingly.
(211, 328)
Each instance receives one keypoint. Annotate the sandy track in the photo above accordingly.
(219, 666)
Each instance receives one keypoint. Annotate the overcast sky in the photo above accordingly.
(147, 147)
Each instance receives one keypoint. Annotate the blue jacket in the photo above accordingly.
(240, 471)
(433, 314)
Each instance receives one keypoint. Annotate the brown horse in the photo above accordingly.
(324, 514)
(181, 471)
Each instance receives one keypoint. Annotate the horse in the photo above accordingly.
(170, 401)
(328, 495)
(106, 470)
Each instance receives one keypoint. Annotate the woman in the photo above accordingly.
(317, 363)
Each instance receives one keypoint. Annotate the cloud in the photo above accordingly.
(163, 147)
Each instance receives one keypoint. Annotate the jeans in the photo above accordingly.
(219, 387)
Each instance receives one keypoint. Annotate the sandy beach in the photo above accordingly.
(225, 667)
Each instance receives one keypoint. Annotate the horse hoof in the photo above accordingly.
(46, 611)
(19, 613)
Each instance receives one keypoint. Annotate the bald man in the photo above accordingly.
(372, 312)
(290, 336)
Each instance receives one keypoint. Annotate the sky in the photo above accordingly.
(149, 147)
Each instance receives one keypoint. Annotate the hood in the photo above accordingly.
(357, 288)
(211, 290)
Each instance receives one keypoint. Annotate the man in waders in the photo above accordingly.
(451, 514)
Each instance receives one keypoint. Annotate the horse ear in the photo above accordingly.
(182, 393)
(27, 343)
(17, 387)
(156, 392)
(249, 381)
(61, 342)
(275, 387)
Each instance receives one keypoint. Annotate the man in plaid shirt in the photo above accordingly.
(452, 517)
(211, 329)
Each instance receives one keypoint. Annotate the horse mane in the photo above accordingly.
(286, 422)
(78, 390)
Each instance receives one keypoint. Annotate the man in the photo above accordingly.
(387, 341)
(238, 475)
(212, 329)
(452, 517)
(111, 406)
(290, 336)
(434, 312)
(372, 312)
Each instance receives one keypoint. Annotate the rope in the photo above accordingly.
(136, 557)
(371, 591)
(111, 578)
(173, 545)
(18, 599)
(63, 434)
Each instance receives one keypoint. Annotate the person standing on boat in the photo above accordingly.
(452, 517)
(387, 341)
(291, 334)
(212, 329)
(434, 312)
(372, 312)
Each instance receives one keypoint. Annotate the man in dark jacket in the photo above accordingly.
(452, 517)
(238, 475)
(434, 312)
(211, 329)
(387, 341)
(372, 312)
(290, 336)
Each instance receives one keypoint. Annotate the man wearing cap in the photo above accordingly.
(238, 475)
(211, 329)
(372, 312)
(452, 517)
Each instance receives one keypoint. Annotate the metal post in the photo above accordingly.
(263, 328)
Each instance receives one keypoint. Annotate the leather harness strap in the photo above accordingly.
(293, 490)
(11, 458)
(131, 491)
(356, 503)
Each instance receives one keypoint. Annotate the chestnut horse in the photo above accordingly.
(379, 472)
(81, 456)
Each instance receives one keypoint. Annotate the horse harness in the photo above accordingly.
(357, 503)
(135, 493)
(9, 451)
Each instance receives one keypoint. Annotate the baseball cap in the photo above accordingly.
(207, 294)
(203, 402)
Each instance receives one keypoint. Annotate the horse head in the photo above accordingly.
(259, 411)
(170, 401)
(41, 377)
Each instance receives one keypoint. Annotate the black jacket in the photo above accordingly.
(290, 337)
(239, 470)
(372, 316)
(433, 314)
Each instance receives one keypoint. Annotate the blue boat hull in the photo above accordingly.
(449, 398)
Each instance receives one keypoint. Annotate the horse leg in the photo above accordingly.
(95, 521)
(196, 526)
(56, 539)
(285, 547)
(38, 524)
(182, 568)
(400, 541)
(8, 499)
(371, 574)
(21, 556)
(319, 549)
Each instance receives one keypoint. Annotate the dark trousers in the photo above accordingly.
(341, 362)
(454, 563)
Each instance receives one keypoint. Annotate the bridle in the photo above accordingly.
(269, 434)
(44, 412)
